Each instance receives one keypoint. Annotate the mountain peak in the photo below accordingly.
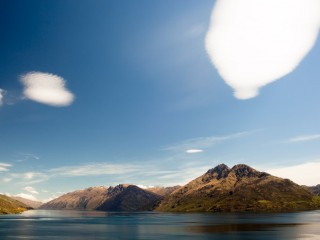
(220, 171)
(243, 170)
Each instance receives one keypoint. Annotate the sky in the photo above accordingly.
(155, 93)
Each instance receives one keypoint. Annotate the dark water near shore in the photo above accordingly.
(42, 224)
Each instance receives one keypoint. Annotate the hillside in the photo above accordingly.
(239, 189)
(122, 197)
(163, 191)
(30, 203)
(9, 205)
(315, 189)
(87, 199)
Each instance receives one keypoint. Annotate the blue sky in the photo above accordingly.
(145, 92)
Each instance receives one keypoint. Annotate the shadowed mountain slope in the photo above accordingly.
(122, 197)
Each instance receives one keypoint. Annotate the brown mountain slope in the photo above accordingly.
(315, 189)
(9, 205)
(163, 191)
(122, 197)
(30, 203)
(130, 198)
(87, 199)
(239, 189)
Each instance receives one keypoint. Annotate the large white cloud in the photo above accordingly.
(255, 42)
(46, 88)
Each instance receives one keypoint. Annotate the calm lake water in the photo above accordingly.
(42, 224)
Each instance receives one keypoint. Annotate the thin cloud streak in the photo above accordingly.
(204, 142)
(4, 167)
(255, 42)
(94, 169)
(31, 190)
(304, 138)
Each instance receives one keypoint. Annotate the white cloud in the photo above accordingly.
(95, 169)
(46, 88)
(191, 151)
(26, 196)
(30, 177)
(195, 144)
(31, 190)
(4, 167)
(1, 96)
(304, 138)
(304, 174)
(144, 186)
(255, 42)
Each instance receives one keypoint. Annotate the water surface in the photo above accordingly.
(44, 224)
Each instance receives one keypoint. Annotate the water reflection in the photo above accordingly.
(42, 224)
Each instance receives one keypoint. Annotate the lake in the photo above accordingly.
(44, 224)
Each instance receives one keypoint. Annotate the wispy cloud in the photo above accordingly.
(304, 174)
(29, 177)
(95, 169)
(46, 88)
(247, 43)
(27, 156)
(4, 167)
(304, 138)
(198, 144)
(1, 96)
(27, 196)
(30, 190)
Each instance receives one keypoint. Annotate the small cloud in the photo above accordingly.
(27, 196)
(304, 174)
(4, 167)
(304, 138)
(144, 186)
(203, 142)
(253, 43)
(191, 151)
(30, 190)
(46, 88)
(1, 96)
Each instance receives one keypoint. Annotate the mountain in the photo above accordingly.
(163, 191)
(9, 205)
(315, 189)
(87, 199)
(123, 197)
(239, 189)
(28, 202)
(130, 198)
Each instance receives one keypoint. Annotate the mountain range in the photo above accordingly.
(221, 189)
(238, 189)
(123, 197)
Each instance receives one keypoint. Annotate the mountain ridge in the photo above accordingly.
(238, 189)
